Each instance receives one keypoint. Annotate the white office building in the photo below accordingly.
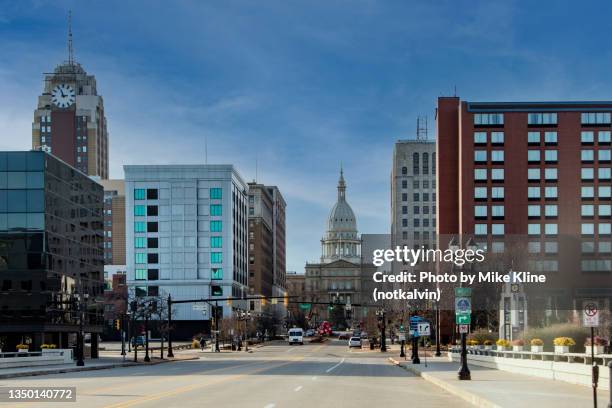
(186, 235)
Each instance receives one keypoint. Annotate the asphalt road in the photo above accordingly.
(275, 376)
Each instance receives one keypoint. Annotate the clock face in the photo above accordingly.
(63, 96)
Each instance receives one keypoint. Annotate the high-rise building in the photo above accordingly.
(51, 253)
(413, 194)
(186, 235)
(69, 120)
(538, 171)
(114, 222)
(266, 240)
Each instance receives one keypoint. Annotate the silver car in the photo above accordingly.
(354, 342)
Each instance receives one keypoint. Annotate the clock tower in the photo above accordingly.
(69, 121)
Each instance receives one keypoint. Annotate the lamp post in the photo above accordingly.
(245, 317)
(464, 371)
(81, 336)
(170, 353)
(383, 339)
(147, 311)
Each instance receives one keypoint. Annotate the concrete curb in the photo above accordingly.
(87, 368)
(470, 397)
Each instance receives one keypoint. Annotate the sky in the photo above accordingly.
(301, 86)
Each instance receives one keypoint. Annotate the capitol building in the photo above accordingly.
(338, 276)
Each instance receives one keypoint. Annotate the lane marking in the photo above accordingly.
(289, 350)
(298, 388)
(192, 387)
(333, 367)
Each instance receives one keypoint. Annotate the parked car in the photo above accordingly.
(344, 336)
(296, 336)
(354, 342)
(364, 335)
(310, 333)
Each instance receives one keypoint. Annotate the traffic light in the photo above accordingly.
(118, 324)
(286, 300)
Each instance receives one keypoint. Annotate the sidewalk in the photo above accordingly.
(491, 388)
(102, 363)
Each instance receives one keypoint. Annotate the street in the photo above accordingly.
(277, 375)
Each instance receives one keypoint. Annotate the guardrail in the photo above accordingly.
(581, 358)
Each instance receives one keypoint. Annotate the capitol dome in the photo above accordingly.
(341, 240)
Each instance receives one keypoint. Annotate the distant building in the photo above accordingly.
(187, 237)
(338, 276)
(51, 252)
(267, 256)
(69, 120)
(114, 222)
(413, 194)
(296, 286)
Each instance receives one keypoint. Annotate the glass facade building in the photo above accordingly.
(51, 250)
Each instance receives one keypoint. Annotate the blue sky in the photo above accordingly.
(300, 85)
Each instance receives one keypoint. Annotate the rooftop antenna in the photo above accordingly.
(421, 131)
(70, 49)
(205, 149)
(455, 91)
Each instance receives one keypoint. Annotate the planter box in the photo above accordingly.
(597, 350)
(537, 349)
(561, 349)
(23, 350)
(517, 348)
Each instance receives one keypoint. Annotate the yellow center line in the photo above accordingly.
(192, 387)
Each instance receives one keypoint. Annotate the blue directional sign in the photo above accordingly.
(414, 325)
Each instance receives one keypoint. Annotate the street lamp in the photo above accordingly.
(147, 311)
(383, 340)
(464, 371)
(245, 317)
(81, 298)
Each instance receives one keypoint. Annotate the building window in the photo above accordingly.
(550, 192)
(497, 211)
(533, 211)
(497, 156)
(604, 137)
(551, 210)
(216, 257)
(215, 193)
(216, 274)
(587, 192)
(140, 291)
(153, 274)
(497, 193)
(550, 229)
(604, 155)
(151, 194)
(587, 210)
(587, 229)
(497, 138)
(404, 222)
(152, 226)
(404, 209)
(140, 226)
(587, 173)
(152, 210)
(480, 156)
(533, 229)
(480, 193)
(587, 155)
(215, 210)
(404, 171)
(416, 209)
(425, 163)
(604, 210)
(416, 222)
(488, 119)
(425, 196)
(550, 174)
(604, 228)
(216, 242)
(404, 196)
(604, 192)
(534, 247)
(497, 174)
(140, 274)
(595, 118)
(550, 156)
(533, 174)
(152, 242)
(533, 156)
(551, 247)
(497, 229)
(480, 138)
(587, 137)
(152, 258)
(542, 119)
(139, 210)
(550, 138)
(533, 193)
(140, 258)
(140, 242)
(139, 194)
(603, 173)
(415, 163)
(480, 174)
(533, 138)
(415, 197)
(480, 229)
(216, 291)
(404, 183)
(480, 211)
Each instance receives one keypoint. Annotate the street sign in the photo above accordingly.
(463, 305)
(424, 329)
(464, 328)
(590, 313)
(402, 336)
(463, 319)
(463, 292)
(305, 306)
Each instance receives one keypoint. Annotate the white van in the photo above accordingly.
(296, 335)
